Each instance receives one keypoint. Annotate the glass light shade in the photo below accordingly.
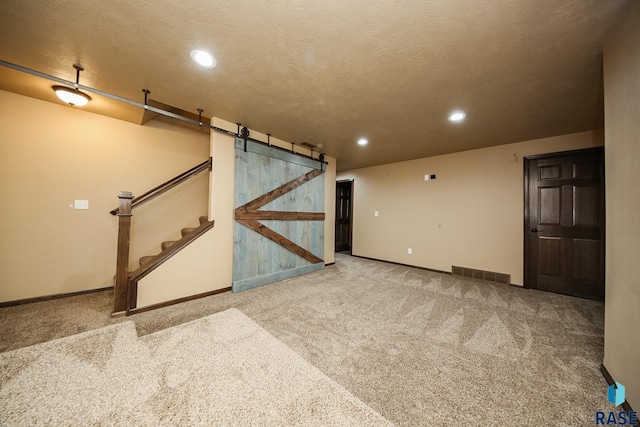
(71, 96)
(363, 141)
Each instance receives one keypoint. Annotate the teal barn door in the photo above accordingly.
(279, 215)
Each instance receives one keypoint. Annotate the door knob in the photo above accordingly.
(535, 230)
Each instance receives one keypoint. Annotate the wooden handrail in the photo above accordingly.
(166, 186)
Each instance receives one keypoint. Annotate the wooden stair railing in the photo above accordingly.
(166, 186)
(126, 283)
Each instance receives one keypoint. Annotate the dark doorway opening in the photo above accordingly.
(344, 214)
(564, 224)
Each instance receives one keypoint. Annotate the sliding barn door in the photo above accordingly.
(279, 215)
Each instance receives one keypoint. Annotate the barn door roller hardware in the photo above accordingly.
(245, 135)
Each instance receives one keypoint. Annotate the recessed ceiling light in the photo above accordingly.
(363, 141)
(204, 59)
(457, 116)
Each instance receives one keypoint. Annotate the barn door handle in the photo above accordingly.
(535, 230)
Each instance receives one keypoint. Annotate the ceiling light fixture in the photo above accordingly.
(204, 59)
(72, 96)
(363, 141)
(457, 116)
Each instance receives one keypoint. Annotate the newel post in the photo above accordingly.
(120, 304)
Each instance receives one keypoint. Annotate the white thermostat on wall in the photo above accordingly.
(81, 204)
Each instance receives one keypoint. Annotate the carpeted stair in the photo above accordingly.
(167, 245)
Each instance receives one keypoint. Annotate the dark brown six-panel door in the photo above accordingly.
(564, 223)
(344, 211)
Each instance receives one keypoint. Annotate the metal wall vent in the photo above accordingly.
(491, 276)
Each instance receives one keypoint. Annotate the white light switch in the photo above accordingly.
(409, 251)
(81, 204)
(375, 213)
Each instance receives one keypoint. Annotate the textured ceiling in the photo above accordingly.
(328, 72)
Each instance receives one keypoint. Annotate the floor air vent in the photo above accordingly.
(481, 274)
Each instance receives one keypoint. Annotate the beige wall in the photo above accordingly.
(471, 215)
(207, 264)
(330, 212)
(622, 157)
(51, 154)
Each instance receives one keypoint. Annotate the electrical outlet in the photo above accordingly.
(409, 251)
(375, 213)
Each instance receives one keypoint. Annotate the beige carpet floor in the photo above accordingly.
(419, 348)
(223, 369)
